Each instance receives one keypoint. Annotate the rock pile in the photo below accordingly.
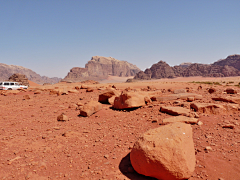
(22, 79)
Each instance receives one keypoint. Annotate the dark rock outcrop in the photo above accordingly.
(157, 71)
(22, 79)
(8, 70)
(99, 68)
(232, 60)
(224, 68)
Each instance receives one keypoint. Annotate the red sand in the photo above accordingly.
(32, 144)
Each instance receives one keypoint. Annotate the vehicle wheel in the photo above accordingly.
(9, 89)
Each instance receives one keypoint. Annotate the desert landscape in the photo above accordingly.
(45, 134)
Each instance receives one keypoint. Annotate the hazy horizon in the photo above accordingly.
(51, 37)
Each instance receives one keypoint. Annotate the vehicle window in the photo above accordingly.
(6, 84)
(16, 84)
(12, 84)
(0, 83)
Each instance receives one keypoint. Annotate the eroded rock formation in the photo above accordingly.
(99, 68)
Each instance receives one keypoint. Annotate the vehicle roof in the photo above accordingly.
(8, 82)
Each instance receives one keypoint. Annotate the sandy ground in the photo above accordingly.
(34, 145)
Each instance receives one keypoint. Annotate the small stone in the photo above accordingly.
(231, 126)
(106, 156)
(212, 90)
(25, 97)
(207, 149)
(200, 123)
(62, 117)
(190, 99)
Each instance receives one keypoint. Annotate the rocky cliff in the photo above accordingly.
(8, 70)
(99, 68)
(223, 68)
(232, 60)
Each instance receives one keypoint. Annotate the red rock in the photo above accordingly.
(183, 96)
(165, 153)
(108, 93)
(212, 90)
(73, 91)
(38, 92)
(89, 90)
(182, 119)
(129, 100)
(84, 86)
(25, 97)
(231, 91)
(190, 99)
(177, 91)
(90, 108)
(208, 108)
(231, 126)
(62, 117)
(175, 111)
(227, 99)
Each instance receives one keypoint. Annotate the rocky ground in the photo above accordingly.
(35, 145)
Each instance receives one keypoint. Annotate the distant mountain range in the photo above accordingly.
(99, 68)
(222, 68)
(8, 70)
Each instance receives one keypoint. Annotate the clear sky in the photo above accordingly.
(52, 36)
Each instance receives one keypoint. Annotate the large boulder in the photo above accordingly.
(165, 153)
(107, 94)
(129, 100)
(90, 108)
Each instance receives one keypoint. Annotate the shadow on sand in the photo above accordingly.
(126, 168)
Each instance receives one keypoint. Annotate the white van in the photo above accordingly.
(11, 86)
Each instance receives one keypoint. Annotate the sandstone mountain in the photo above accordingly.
(99, 68)
(8, 70)
(223, 68)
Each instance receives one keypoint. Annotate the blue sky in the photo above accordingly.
(52, 36)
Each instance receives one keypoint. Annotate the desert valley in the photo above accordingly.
(178, 122)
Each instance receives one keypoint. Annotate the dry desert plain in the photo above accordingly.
(35, 145)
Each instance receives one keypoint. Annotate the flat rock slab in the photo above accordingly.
(183, 119)
(175, 111)
(183, 96)
(178, 91)
(208, 108)
(230, 99)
